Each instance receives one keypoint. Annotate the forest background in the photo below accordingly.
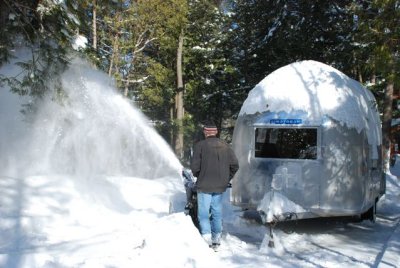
(183, 61)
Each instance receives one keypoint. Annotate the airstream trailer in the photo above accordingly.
(308, 141)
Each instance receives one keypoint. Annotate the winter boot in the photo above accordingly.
(216, 238)
(215, 246)
(216, 241)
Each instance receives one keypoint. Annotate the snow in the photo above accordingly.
(80, 42)
(54, 221)
(110, 215)
(275, 203)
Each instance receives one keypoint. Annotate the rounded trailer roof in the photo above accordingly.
(319, 91)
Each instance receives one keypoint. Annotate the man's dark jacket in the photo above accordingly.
(214, 164)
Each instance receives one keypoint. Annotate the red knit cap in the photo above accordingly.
(210, 129)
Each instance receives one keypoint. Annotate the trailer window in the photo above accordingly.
(293, 143)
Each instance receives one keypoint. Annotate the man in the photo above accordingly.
(214, 164)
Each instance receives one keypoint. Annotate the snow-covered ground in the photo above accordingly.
(69, 197)
(59, 221)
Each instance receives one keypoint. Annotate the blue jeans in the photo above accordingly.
(210, 213)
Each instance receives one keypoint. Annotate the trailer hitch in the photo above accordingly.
(271, 226)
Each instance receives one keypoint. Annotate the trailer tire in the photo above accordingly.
(370, 214)
(392, 161)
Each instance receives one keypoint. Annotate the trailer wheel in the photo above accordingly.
(370, 214)
(392, 161)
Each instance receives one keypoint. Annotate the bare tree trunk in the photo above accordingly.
(373, 75)
(94, 26)
(387, 123)
(360, 77)
(113, 55)
(126, 89)
(373, 79)
(171, 115)
(179, 99)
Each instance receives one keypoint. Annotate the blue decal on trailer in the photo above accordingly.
(285, 121)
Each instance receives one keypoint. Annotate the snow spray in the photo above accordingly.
(90, 130)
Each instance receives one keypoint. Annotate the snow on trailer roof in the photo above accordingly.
(318, 91)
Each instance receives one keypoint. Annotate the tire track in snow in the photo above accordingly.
(387, 245)
(387, 255)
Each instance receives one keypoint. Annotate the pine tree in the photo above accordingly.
(270, 34)
(207, 71)
(378, 33)
(47, 29)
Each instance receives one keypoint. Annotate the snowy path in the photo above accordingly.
(44, 223)
(390, 253)
(320, 243)
(325, 242)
